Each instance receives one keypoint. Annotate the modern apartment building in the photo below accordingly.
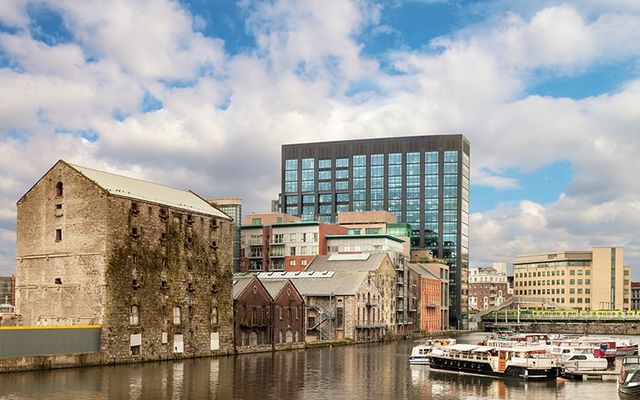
(232, 207)
(283, 246)
(585, 280)
(423, 180)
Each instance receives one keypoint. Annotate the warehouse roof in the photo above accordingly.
(147, 191)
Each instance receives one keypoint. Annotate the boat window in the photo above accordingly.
(636, 378)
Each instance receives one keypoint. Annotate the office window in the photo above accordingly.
(324, 175)
(324, 164)
(324, 186)
(291, 165)
(431, 157)
(359, 160)
(451, 156)
(395, 158)
(413, 158)
(342, 162)
(359, 195)
(342, 197)
(377, 159)
(342, 185)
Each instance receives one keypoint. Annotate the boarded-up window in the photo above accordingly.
(215, 341)
(178, 343)
(134, 315)
(214, 315)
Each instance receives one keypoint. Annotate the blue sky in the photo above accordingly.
(201, 94)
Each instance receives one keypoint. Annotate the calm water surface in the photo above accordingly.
(377, 371)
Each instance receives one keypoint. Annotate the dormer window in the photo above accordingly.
(59, 189)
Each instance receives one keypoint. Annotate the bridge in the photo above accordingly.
(522, 311)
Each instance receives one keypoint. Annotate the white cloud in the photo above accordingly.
(221, 134)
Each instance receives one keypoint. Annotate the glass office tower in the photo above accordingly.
(424, 180)
(232, 207)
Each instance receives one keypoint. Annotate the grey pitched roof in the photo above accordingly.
(333, 263)
(338, 283)
(273, 286)
(422, 270)
(148, 191)
(239, 284)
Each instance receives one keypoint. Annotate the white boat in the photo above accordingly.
(420, 353)
(582, 362)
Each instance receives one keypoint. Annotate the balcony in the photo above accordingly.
(277, 243)
(255, 255)
(277, 255)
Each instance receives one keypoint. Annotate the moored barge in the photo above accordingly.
(521, 362)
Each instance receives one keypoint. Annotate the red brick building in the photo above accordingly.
(284, 246)
(288, 311)
(433, 296)
(267, 313)
(251, 314)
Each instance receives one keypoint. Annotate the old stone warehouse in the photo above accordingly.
(149, 264)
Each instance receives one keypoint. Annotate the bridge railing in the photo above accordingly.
(565, 315)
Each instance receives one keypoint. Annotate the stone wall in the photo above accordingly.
(162, 261)
(61, 281)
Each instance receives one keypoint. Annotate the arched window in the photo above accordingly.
(59, 189)
(253, 339)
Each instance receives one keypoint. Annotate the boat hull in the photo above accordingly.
(483, 368)
(634, 391)
(627, 350)
(419, 360)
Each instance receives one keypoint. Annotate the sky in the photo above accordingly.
(201, 94)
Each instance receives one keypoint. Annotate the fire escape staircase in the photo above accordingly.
(323, 316)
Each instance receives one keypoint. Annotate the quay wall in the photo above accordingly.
(586, 328)
(72, 360)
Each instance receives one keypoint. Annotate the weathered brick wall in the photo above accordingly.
(254, 297)
(170, 271)
(77, 260)
(384, 279)
(292, 315)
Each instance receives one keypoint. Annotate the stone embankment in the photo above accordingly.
(57, 361)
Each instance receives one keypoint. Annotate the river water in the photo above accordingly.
(373, 371)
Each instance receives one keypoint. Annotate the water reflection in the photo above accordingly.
(375, 371)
